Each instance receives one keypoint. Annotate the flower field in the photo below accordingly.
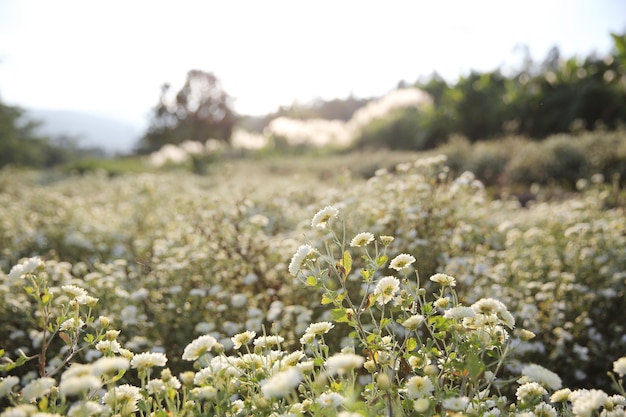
(259, 291)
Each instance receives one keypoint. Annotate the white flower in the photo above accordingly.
(545, 377)
(401, 261)
(341, 363)
(545, 410)
(124, 396)
(78, 384)
(199, 347)
(282, 383)
(560, 396)
(37, 388)
(489, 306)
(204, 393)
(362, 239)
(22, 410)
(421, 405)
(529, 391)
(414, 321)
(7, 384)
(619, 366)
(74, 291)
(241, 339)
(322, 327)
(266, 341)
(71, 324)
(585, 402)
(27, 267)
(419, 387)
(156, 386)
(455, 403)
(106, 346)
(321, 218)
(386, 289)
(147, 360)
(110, 365)
(84, 409)
(303, 252)
(459, 313)
(444, 280)
(330, 399)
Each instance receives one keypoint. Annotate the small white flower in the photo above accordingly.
(321, 218)
(199, 347)
(241, 339)
(444, 280)
(401, 261)
(386, 289)
(71, 324)
(124, 396)
(585, 402)
(147, 360)
(74, 291)
(266, 341)
(560, 396)
(106, 346)
(37, 388)
(317, 329)
(419, 387)
(619, 366)
(330, 399)
(414, 321)
(27, 267)
(529, 391)
(455, 403)
(341, 363)
(282, 383)
(298, 258)
(459, 313)
(7, 384)
(545, 377)
(85, 408)
(110, 365)
(362, 239)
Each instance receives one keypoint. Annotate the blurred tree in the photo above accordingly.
(201, 110)
(19, 145)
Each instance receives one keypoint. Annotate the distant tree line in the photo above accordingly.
(21, 144)
(554, 96)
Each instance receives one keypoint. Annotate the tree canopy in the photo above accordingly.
(199, 111)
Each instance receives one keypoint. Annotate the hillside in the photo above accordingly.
(90, 130)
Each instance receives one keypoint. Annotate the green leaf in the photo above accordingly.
(365, 274)
(474, 366)
(381, 260)
(326, 299)
(311, 280)
(339, 315)
(411, 344)
(347, 262)
(45, 299)
(119, 375)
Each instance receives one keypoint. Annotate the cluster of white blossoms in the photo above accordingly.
(28, 266)
(320, 132)
(315, 329)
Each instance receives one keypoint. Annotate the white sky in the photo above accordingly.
(111, 57)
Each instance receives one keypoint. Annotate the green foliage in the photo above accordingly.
(534, 102)
(199, 111)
